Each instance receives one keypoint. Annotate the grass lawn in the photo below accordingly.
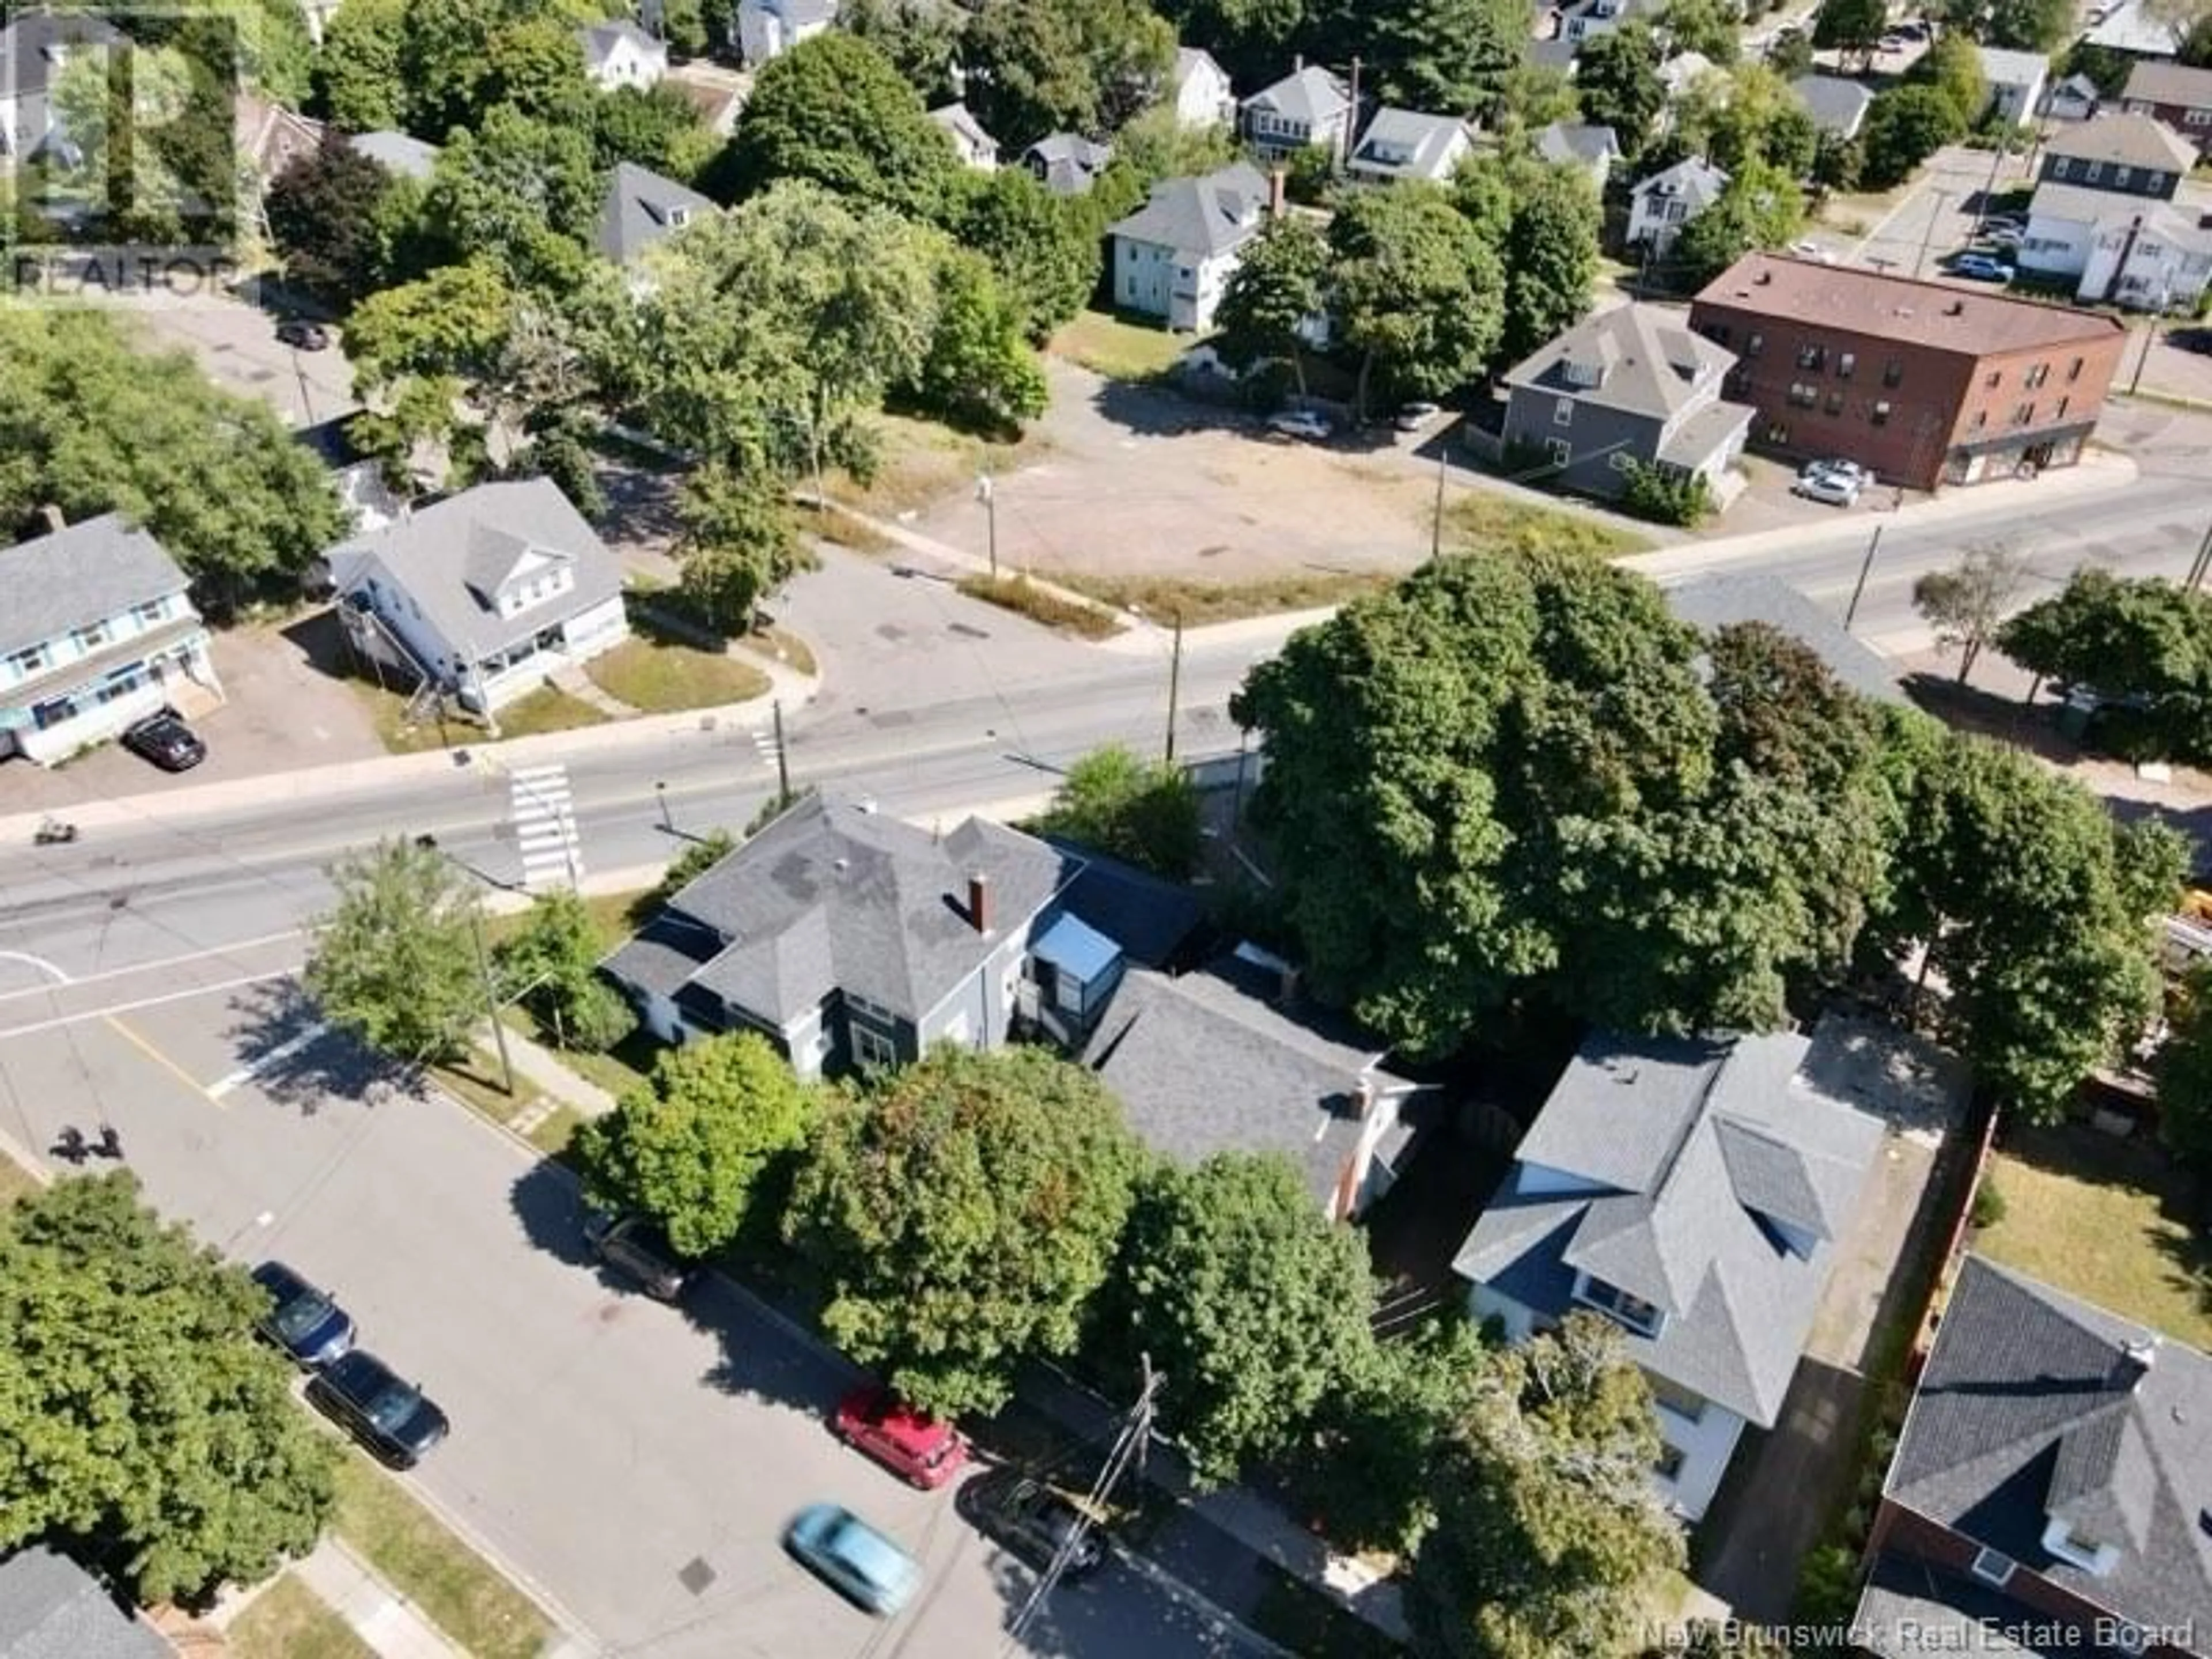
(665, 677)
(1484, 518)
(1018, 593)
(2107, 1221)
(552, 1136)
(475, 1082)
(621, 1069)
(454, 1586)
(919, 462)
(287, 1620)
(541, 710)
(779, 647)
(1121, 350)
(611, 914)
(1162, 598)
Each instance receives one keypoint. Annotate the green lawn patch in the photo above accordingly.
(547, 709)
(1163, 598)
(1293, 1614)
(456, 1589)
(2106, 1220)
(474, 1082)
(552, 1136)
(613, 913)
(1040, 604)
(1118, 348)
(664, 678)
(622, 1068)
(1490, 520)
(778, 645)
(287, 1620)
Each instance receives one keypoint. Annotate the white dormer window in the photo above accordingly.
(678, 217)
(1993, 1567)
(1639, 1316)
(1563, 412)
(2078, 1549)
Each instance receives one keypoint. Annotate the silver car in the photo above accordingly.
(1831, 483)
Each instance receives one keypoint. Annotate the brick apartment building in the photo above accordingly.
(1926, 383)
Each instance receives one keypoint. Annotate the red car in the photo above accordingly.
(915, 1448)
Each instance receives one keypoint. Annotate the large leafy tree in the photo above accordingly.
(1966, 605)
(1850, 26)
(962, 1215)
(700, 1145)
(653, 127)
(1144, 812)
(1278, 287)
(142, 1425)
(2142, 641)
(1750, 114)
(1447, 55)
(920, 38)
(1761, 206)
(1617, 83)
(357, 73)
(93, 425)
(980, 373)
(1040, 66)
(396, 961)
(2185, 1075)
(736, 542)
(1044, 247)
(550, 966)
(522, 192)
(1418, 296)
(1905, 125)
(1253, 1304)
(1550, 253)
(325, 216)
(1547, 1536)
(2017, 25)
(1953, 65)
(1709, 27)
(833, 112)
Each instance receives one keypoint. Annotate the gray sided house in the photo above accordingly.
(853, 940)
(1628, 385)
(1068, 163)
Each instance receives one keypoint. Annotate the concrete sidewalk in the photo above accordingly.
(382, 1617)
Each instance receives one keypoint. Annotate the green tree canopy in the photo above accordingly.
(1550, 253)
(1617, 83)
(1953, 65)
(357, 74)
(1044, 247)
(1143, 813)
(395, 962)
(1751, 113)
(551, 967)
(2144, 641)
(1760, 207)
(962, 1215)
(980, 373)
(1040, 66)
(1417, 294)
(142, 1425)
(1446, 55)
(1708, 28)
(1967, 605)
(920, 38)
(325, 217)
(521, 193)
(1850, 26)
(1276, 289)
(2184, 1074)
(1905, 125)
(653, 127)
(736, 542)
(710, 1136)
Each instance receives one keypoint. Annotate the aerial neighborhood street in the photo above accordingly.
(1104, 827)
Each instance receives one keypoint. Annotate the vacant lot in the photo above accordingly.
(1119, 349)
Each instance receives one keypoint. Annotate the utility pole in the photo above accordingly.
(2150, 328)
(1436, 519)
(987, 491)
(667, 823)
(1174, 685)
(1935, 218)
(782, 760)
(1345, 143)
(2199, 565)
(1865, 565)
(429, 844)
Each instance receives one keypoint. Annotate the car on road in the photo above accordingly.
(166, 740)
(2191, 339)
(301, 1320)
(302, 336)
(853, 1557)
(1982, 268)
(635, 1246)
(1414, 417)
(1299, 423)
(1838, 485)
(395, 1419)
(1036, 1523)
(911, 1445)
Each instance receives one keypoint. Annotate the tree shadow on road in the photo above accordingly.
(293, 1060)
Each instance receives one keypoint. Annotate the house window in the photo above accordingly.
(868, 1009)
(148, 612)
(2094, 172)
(92, 638)
(1689, 1407)
(871, 1050)
(1812, 356)
(35, 660)
(1803, 394)
(1558, 451)
(1996, 377)
(1753, 346)
(2059, 413)
(1835, 403)
(2121, 175)
(1668, 1466)
(2193, 118)
(1881, 412)
(1892, 371)
(2022, 414)
(1563, 412)
(2037, 375)
(2075, 373)
(1981, 419)
(1845, 363)
(1630, 1311)
(1717, 332)
(678, 217)
(2062, 167)
(1991, 1568)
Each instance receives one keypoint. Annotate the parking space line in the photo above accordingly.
(153, 967)
(145, 1047)
(38, 1025)
(277, 1056)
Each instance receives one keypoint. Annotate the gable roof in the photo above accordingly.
(400, 153)
(1577, 141)
(2031, 1403)
(72, 578)
(1153, 919)
(833, 895)
(1634, 357)
(52, 1608)
(1427, 141)
(600, 41)
(2134, 26)
(2171, 83)
(2002, 67)
(2124, 139)
(1312, 96)
(1697, 181)
(1189, 60)
(35, 45)
(1203, 216)
(1068, 162)
(641, 208)
(2083, 204)
(1675, 1163)
(268, 137)
(1836, 105)
(452, 556)
(960, 121)
(1209, 1063)
(1720, 598)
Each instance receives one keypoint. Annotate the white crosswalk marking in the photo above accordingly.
(764, 741)
(545, 827)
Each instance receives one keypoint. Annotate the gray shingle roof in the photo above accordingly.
(2028, 1401)
(600, 39)
(1719, 599)
(78, 576)
(33, 47)
(1911, 1610)
(2125, 140)
(2001, 67)
(1208, 1063)
(451, 555)
(1312, 96)
(398, 153)
(1407, 144)
(1681, 1156)
(1634, 357)
(2137, 27)
(2171, 83)
(1697, 181)
(1152, 919)
(960, 121)
(1202, 216)
(833, 896)
(641, 207)
(1068, 163)
(1577, 141)
(52, 1608)
(1835, 103)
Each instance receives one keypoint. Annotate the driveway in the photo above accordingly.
(634, 1464)
(1935, 216)
(236, 343)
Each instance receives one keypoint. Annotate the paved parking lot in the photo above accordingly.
(635, 1463)
(1936, 215)
(237, 344)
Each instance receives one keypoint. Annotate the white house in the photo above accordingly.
(1696, 1194)
(976, 148)
(621, 54)
(484, 593)
(2016, 82)
(1661, 205)
(1579, 145)
(1173, 256)
(2139, 252)
(1307, 107)
(1203, 97)
(97, 629)
(769, 28)
(33, 50)
(2074, 99)
(1403, 143)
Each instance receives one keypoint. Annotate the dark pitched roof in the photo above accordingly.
(33, 47)
(1634, 357)
(2170, 84)
(1836, 105)
(2031, 1403)
(1682, 1158)
(1312, 96)
(2125, 140)
(1152, 919)
(1578, 142)
(1068, 163)
(78, 576)
(52, 1608)
(641, 207)
(835, 896)
(1720, 598)
(1910, 1610)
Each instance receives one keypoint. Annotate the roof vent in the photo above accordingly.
(2134, 1363)
(1765, 277)
(1956, 308)
(842, 865)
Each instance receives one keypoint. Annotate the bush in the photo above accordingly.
(596, 1019)
(1828, 1586)
(1665, 497)
(1988, 1205)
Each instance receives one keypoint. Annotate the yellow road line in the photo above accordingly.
(146, 1047)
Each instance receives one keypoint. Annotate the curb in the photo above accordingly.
(1204, 1605)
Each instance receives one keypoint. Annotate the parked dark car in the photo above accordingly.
(1035, 1522)
(307, 336)
(637, 1247)
(395, 1419)
(301, 1320)
(166, 740)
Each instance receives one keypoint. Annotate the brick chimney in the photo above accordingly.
(979, 901)
(52, 514)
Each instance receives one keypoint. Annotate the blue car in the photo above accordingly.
(853, 1557)
(1982, 268)
(302, 1320)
